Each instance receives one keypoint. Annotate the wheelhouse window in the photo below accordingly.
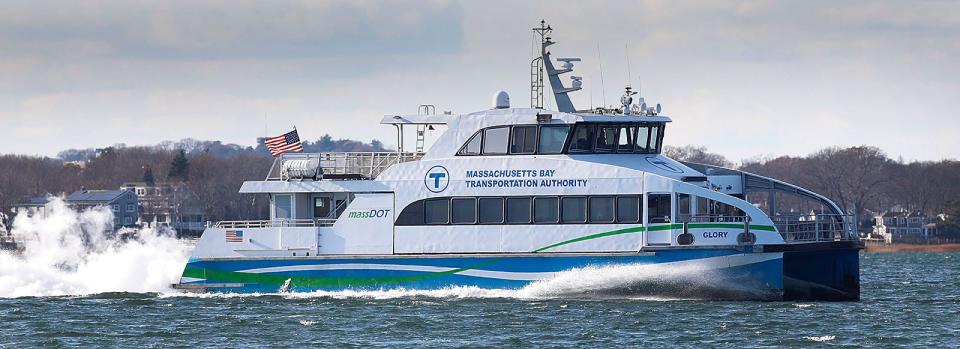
(643, 139)
(518, 210)
(582, 141)
(495, 140)
(473, 145)
(463, 211)
(654, 140)
(607, 139)
(574, 209)
(546, 210)
(491, 210)
(601, 209)
(627, 139)
(523, 140)
(552, 139)
(436, 211)
(658, 208)
(628, 209)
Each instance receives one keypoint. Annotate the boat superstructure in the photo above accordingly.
(510, 196)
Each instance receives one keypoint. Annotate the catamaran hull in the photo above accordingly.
(679, 273)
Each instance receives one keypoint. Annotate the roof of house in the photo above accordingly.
(95, 195)
(34, 201)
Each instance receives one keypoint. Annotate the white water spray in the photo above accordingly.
(66, 252)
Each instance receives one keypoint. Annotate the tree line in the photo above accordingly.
(211, 169)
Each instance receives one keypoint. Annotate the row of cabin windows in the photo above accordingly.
(552, 139)
(610, 209)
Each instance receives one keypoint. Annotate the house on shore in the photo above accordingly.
(171, 205)
(123, 203)
(904, 226)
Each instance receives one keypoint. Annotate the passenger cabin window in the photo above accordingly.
(601, 209)
(574, 209)
(658, 208)
(683, 208)
(546, 210)
(628, 209)
(436, 211)
(491, 210)
(552, 139)
(463, 211)
(582, 141)
(523, 140)
(643, 138)
(495, 140)
(518, 210)
(473, 145)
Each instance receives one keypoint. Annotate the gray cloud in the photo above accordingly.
(743, 78)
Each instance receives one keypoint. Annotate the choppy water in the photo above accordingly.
(908, 299)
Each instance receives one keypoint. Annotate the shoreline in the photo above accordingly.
(912, 248)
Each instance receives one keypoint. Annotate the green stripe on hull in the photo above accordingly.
(328, 282)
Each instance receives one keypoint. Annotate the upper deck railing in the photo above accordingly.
(276, 223)
(352, 165)
(815, 227)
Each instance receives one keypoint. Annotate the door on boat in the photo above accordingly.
(658, 219)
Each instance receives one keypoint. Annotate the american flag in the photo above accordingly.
(234, 235)
(289, 141)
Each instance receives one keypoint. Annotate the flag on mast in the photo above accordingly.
(289, 141)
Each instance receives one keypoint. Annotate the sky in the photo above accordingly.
(746, 79)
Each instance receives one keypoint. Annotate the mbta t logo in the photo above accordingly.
(437, 179)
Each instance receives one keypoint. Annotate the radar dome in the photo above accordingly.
(501, 100)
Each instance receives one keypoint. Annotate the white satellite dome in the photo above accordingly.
(501, 100)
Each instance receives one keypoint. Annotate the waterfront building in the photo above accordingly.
(904, 226)
(171, 205)
(123, 203)
(33, 205)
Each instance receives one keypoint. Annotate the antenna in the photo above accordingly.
(603, 88)
(626, 49)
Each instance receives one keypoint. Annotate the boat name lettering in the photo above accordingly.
(509, 173)
(368, 214)
(714, 234)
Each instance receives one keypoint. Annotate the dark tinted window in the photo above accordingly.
(436, 211)
(518, 210)
(601, 209)
(473, 145)
(606, 139)
(491, 210)
(654, 139)
(628, 209)
(552, 139)
(683, 208)
(583, 136)
(495, 140)
(524, 140)
(574, 209)
(321, 207)
(546, 210)
(463, 211)
(658, 208)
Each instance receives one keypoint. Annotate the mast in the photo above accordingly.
(543, 63)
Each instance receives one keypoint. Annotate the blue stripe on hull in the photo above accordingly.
(756, 275)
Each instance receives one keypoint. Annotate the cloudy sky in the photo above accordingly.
(743, 78)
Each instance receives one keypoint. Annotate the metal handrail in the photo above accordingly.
(364, 164)
(277, 223)
(795, 227)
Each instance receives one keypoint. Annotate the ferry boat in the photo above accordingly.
(507, 197)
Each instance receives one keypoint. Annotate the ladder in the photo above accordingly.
(536, 83)
(423, 109)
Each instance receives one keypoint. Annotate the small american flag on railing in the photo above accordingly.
(289, 141)
(234, 235)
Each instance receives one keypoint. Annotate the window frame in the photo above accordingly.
(599, 129)
(584, 211)
(476, 214)
(638, 212)
(425, 210)
(573, 132)
(503, 208)
(483, 143)
(545, 197)
(506, 209)
(613, 208)
(536, 139)
(463, 149)
(566, 139)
